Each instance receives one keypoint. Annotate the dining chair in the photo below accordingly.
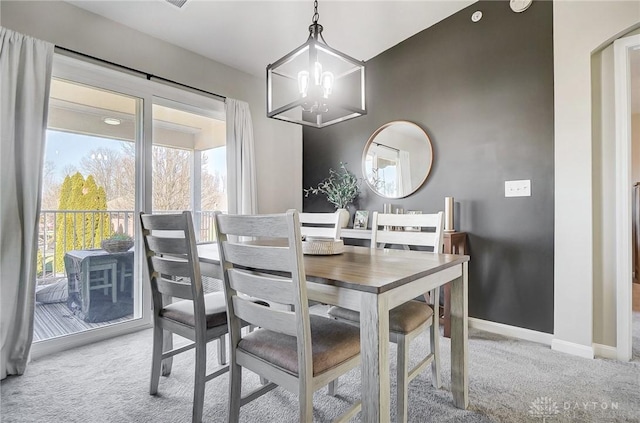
(174, 271)
(291, 348)
(410, 319)
(320, 225)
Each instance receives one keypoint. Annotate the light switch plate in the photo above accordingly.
(521, 188)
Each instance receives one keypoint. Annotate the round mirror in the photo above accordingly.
(397, 159)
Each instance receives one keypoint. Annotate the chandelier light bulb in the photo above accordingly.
(327, 83)
(317, 73)
(303, 83)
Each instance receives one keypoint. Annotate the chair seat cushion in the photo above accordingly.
(402, 319)
(182, 311)
(332, 343)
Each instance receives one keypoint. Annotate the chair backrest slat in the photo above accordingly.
(262, 257)
(423, 239)
(270, 288)
(419, 237)
(165, 222)
(167, 245)
(326, 225)
(171, 266)
(174, 289)
(317, 232)
(415, 220)
(266, 226)
(265, 317)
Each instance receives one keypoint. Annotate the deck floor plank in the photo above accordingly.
(53, 320)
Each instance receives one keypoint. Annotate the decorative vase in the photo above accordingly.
(344, 217)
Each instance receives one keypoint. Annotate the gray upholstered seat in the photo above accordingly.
(182, 311)
(331, 343)
(403, 319)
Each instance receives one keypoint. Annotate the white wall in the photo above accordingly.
(635, 147)
(580, 29)
(604, 184)
(278, 145)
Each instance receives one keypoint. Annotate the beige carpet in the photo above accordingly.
(510, 381)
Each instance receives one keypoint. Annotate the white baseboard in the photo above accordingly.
(511, 331)
(572, 348)
(600, 350)
(605, 351)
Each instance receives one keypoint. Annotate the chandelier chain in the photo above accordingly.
(316, 15)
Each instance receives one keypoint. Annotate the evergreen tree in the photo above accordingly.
(81, 227)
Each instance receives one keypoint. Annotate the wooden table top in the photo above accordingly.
(363, 268)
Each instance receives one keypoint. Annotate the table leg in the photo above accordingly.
(459, 340)
(447, 310)
(374, 346)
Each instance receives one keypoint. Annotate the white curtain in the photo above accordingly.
(404, 173)
(241, 173)
(25, 79)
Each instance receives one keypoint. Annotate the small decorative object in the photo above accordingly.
(448, 214)
(117, 243)
(361, 219)
(341, 188)
(316, 85)
(413, 228)
(323, 247)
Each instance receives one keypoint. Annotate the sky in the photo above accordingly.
(64, 149)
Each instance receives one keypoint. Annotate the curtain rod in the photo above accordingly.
(387, 146)
(147, 75)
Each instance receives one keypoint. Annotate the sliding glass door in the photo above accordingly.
(116, 145)
(87, 199)
(189, 166)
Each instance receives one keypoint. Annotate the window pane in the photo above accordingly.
(87, 196)
(189, 164)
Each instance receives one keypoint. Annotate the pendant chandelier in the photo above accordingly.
(316, 85)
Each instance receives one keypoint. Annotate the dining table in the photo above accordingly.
(372, 282)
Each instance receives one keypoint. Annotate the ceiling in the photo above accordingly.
(248, 35)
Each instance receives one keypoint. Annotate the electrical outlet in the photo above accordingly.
(520, 188)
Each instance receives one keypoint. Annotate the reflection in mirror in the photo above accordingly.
(397, 159)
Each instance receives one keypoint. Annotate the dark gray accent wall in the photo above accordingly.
(484, 94)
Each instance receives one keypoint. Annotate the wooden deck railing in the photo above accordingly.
(87, 228)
